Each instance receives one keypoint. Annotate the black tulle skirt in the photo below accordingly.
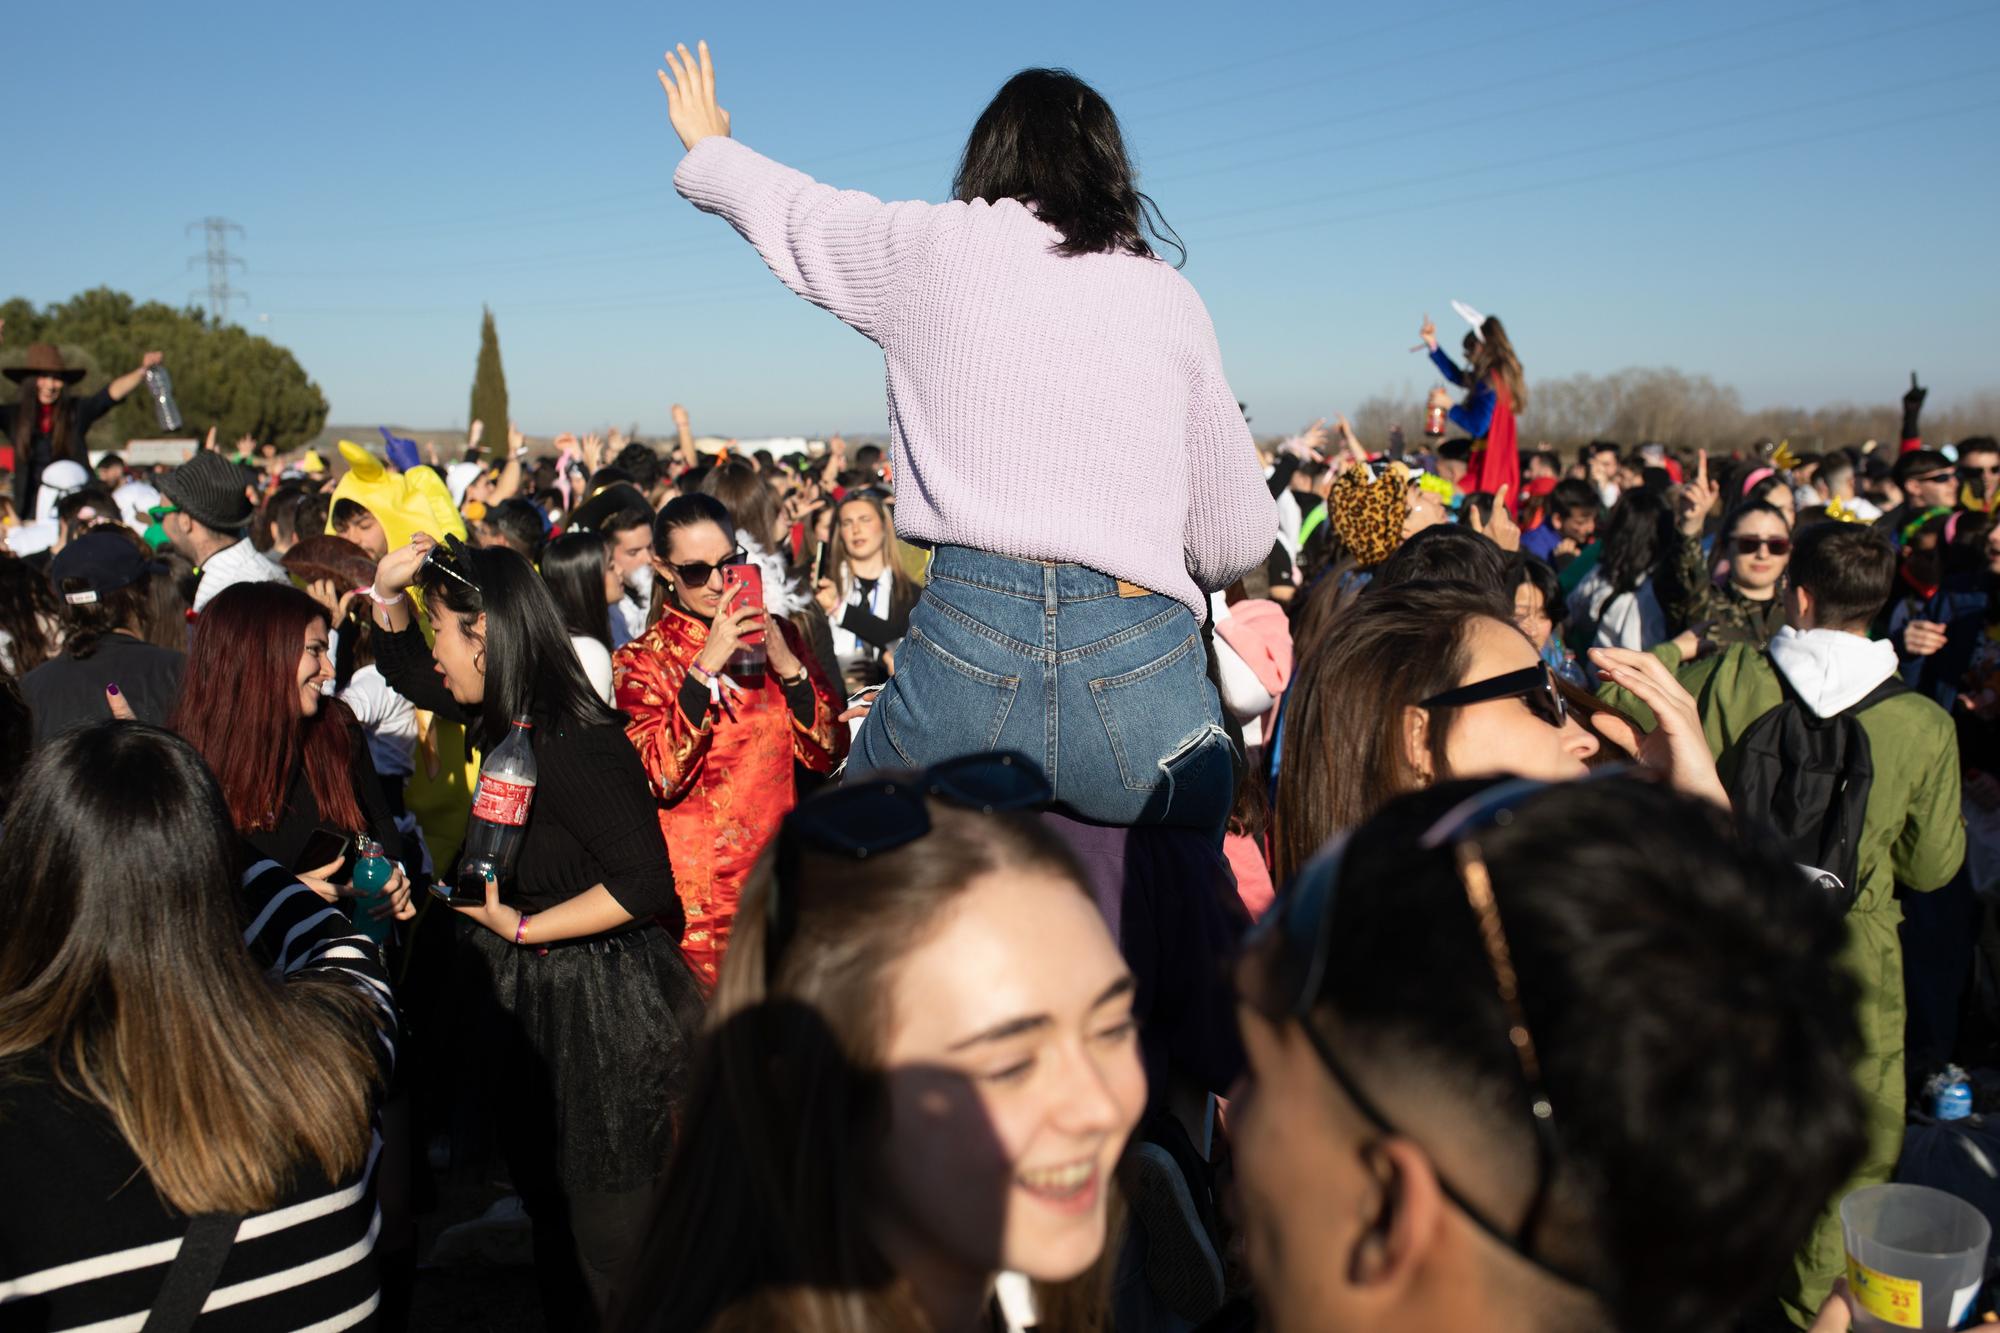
(589, 1049)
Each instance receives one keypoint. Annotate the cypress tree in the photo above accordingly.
(489, 390)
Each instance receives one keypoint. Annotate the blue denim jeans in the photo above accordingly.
(1109, 694)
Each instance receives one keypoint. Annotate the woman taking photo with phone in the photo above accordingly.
(592, 1008)
(1036, 345)
(921, 1070)
(718, 742)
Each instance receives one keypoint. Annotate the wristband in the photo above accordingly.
(713, 682)
(520, 929)
(380, 600)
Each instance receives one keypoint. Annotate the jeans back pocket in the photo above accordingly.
(1155, 712)
(940, 706)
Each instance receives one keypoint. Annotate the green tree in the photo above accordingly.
(223, 377)
(489, 388)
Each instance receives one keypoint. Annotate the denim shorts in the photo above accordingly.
(1108, 693)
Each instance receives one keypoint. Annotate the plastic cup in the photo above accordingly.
(1915, 1256)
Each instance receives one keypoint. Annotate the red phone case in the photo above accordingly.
(748, 583)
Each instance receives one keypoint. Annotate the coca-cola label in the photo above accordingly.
(499, 801)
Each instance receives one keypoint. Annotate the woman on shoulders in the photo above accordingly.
(1036, 349)
(1496, 393)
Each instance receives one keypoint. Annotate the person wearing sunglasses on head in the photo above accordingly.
(590, 1012)
(920, 1072)
(1424, 682)
(1528, 1057)
(718, 743)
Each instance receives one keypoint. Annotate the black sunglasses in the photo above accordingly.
(869, 818)
(1535, 686)
(451, 558)
(1936, 478)
(1752, 545)
(1301, 923)
(1971, 472)
(697, 573)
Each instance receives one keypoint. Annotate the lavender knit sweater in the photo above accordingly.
(1040, 406)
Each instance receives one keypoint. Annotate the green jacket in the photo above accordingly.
(1913, 835)
(1730, 617)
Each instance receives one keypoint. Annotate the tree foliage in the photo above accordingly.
(223, 377)
(489, 387)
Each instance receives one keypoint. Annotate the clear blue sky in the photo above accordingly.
(1796, 197)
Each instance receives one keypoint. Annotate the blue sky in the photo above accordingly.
(1796, 197)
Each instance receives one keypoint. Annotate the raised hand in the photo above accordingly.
(472, 436)
(208, 444)
(1698, 497)
(690, 90)
(592, 449)
(1501, 528)
(1675, 747)
(680, 417)
(1429, 333)
(515, 439)
(150, 359)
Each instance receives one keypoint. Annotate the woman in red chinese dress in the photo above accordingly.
(719, 751)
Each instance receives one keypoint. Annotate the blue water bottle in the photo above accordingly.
(1951, 1095)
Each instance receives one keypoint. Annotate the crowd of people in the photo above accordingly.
(1332, 884)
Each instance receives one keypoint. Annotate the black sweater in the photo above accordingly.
(593, 820)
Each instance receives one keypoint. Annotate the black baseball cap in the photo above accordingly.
(104, 561)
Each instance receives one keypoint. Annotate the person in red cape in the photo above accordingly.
(718, 750)
(1495, 395)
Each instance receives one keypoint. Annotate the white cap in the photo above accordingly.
(1472, 317)
(59, 479)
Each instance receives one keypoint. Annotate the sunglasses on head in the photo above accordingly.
(451, 558)
(697, 573)
(1774, 545)
(866, 819)
(1535, 686)
(1300, 930)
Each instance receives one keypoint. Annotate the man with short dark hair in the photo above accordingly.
(1928, 481)
(1554, 1058)
(357, 523)
(517, 525)
(1979, 473)
(1841, 575)
(1569, 525)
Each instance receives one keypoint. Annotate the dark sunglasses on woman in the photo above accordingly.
(697, 573)
(1535, 686)
(1774, 545)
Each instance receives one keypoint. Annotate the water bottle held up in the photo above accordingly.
(160, 385)
(499, 823)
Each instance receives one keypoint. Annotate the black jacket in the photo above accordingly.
(84, 413)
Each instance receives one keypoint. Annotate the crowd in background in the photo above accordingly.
(1339, 883)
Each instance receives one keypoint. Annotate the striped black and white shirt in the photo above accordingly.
(85, 1241)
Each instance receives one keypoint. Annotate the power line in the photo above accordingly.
(218, 260)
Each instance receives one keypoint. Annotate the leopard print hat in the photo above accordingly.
(1368, 512)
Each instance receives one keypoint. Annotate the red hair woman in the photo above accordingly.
(289, 759)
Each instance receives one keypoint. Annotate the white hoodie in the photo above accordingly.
(1831, 670)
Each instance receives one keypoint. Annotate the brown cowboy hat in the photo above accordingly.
(46, 359)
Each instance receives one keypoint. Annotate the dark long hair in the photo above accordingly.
(239, 708)
(573, 567)
(762, 1221)
(1050, 141)
(531, 668)
(1344, 754)
(220, 1082)
(29, 613)
(684, 511)
(1638, 540)
(26, 412)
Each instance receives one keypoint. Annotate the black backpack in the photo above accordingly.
(1803, 781)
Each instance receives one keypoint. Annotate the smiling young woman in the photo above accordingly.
(921, 1071)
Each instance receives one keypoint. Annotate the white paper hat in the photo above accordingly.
(1472, 317)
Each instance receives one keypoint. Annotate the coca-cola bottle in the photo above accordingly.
(499, 821)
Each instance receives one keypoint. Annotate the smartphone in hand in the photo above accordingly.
(745, 587)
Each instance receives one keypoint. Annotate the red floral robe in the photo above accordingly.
(721, 789)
